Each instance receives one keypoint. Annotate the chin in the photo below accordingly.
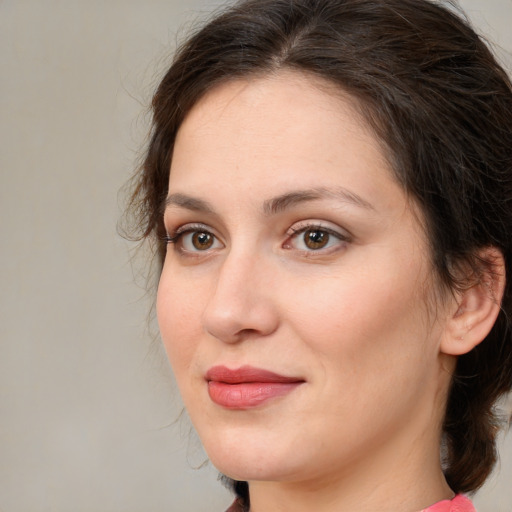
(253, 454)
(252, 468)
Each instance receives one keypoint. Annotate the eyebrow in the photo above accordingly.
(189, 203)
(293, 198)
(276, 204)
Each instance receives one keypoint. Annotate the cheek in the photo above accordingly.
(366, 336)
(178, 313)
(365, 318)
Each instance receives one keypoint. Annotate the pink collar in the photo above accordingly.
(458, 504)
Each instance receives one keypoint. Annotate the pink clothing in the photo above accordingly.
(459, 504)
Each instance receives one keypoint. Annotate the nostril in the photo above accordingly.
(244, 321)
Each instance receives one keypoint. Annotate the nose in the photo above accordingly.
(241, 304)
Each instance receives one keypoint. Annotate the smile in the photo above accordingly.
(247, 387)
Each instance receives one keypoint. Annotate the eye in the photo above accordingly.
(194, 239)
(315, 238)
(198, 240)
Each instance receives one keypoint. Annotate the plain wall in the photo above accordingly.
(88, 406)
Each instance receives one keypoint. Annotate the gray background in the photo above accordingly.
(89, 412)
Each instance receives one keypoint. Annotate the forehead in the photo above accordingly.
(280, 130)
(283, 103)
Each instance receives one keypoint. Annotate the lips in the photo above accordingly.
(247, 387)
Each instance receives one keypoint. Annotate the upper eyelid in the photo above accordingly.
(175, 219)
(318, 227)
(192, 226)
(189, 226)
(301, 226)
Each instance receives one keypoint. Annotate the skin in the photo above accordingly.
(353, 319)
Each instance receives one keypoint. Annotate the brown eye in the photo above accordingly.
(189, 240)
(316, 238)
(202, 241)
(313, 238)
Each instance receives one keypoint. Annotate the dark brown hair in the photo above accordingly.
(442, 106)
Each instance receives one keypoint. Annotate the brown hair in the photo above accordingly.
(441, 104)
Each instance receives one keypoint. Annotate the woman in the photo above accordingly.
(329, 183)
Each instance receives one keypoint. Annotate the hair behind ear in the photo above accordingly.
(479, 334)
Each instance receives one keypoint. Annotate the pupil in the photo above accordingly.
(202, 241)
(316, 239)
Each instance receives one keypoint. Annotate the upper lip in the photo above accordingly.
(245, 374)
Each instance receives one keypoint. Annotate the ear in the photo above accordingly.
(476, 308)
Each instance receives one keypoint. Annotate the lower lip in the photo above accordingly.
(247, 394)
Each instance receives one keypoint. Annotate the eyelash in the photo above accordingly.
(178, 234)
(294, 232)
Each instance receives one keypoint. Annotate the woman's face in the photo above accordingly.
(293, 302)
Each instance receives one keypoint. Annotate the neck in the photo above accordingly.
(402, 476)
(393, 487)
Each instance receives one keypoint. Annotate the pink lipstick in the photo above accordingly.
(246, 387)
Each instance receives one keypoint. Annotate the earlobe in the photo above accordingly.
(477, 307)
